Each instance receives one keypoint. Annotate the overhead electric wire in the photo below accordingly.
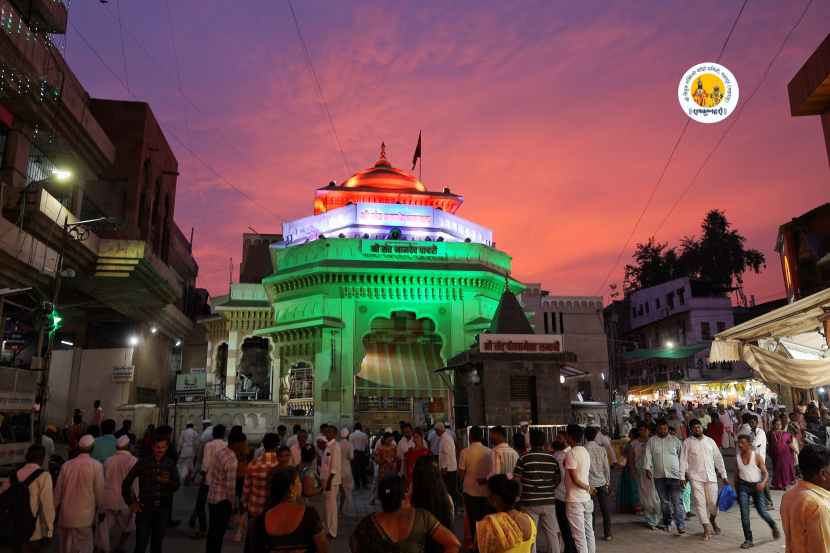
(179, 83)
(123, 45)
(735, 118)
(199, 158)
(323, 102)
(659, 180)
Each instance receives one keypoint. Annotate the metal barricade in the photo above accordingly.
(550, 430)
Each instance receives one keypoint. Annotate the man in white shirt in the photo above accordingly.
(117, 514)
(604, 441)
(188, 445)
(504, 456)
(208, 455)
(759, 444)
(599, 478)
(78, 493)
(360, 465)
(447, 463)
(701, 463)
(474, 465)
(404, 445)
(331, 475)
(297, 447)
(579, 506)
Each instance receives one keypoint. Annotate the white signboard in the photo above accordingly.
(121, 375)
(520, 343)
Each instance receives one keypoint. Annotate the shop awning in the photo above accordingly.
(680, 352)
(401, 369)
(783, 329)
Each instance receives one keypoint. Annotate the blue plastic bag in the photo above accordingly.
(726, 497)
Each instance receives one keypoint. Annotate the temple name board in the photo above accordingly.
(400, 247)
(520, 343)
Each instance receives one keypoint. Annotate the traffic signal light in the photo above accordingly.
(54, 321)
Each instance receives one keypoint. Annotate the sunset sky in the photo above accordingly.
(553, 119)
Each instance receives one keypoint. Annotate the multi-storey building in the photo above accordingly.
(579, 320)
(87, 190)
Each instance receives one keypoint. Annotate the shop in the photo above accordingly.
(786, 348)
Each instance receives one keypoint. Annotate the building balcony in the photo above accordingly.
(45, 15)
(38, 80)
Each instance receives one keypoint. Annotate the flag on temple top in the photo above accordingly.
(417, 155)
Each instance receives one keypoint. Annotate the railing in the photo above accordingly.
(550, 431)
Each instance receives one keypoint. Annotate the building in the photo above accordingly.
(661, 336)
(579, 320)
(512, 374)
(365, 301)
(803, 246)
(788, 346)
(809, 89)
(87, 189)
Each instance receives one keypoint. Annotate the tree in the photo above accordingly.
(719, 256)
(655, 263)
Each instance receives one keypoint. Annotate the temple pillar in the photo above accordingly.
(234, 348)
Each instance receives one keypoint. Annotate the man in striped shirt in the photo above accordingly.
(221, 479)
(255, 489)
(538, 473)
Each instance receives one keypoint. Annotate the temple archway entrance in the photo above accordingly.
(254, 381)
(220, 370)
(397, 379)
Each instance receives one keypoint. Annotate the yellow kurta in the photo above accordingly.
(805, 515)
(500, 533)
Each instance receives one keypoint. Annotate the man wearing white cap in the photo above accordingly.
(346, 479)
(116, 512)
(331, 474)
(79, 491)
(188, 444)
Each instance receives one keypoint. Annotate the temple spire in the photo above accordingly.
(383, 150)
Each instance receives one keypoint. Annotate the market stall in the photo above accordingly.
(786, 348)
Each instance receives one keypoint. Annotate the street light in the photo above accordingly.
(133, 340)
(178, 343)
(153, 329)
(561, 379)
(669, 344)
(61, 175)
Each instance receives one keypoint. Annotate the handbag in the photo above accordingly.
(726, 497)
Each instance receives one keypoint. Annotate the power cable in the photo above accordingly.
(123, 46)
(322, 97)
(199, 158)
(736, 117)
(665, 167)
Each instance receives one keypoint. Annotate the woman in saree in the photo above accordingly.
(628, 499)
(783, 448)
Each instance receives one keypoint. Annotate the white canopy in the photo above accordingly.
(794, 330)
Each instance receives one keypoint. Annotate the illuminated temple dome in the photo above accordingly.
(383, 184)
(382, 176)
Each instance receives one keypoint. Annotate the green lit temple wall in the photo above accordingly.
(326, 293)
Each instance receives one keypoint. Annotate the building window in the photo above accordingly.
(670, 300)
(546, 316)
(647, 308)
(705, 331)
(633, 312)
(681, 296)
(657, 303)
(553, 322)
(640, 310)
(721, 326)
(562, 323)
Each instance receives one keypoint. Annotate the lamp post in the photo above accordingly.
(78, 232)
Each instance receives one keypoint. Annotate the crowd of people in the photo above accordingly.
(516, 491)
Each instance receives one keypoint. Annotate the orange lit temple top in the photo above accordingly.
(383, 184)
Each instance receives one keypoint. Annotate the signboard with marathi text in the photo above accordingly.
(190, 383)
(402, 247)
(123, 375)
(520, 343)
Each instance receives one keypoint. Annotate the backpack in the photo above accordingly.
(16, 523)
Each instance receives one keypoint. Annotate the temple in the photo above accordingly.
(363, 304)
